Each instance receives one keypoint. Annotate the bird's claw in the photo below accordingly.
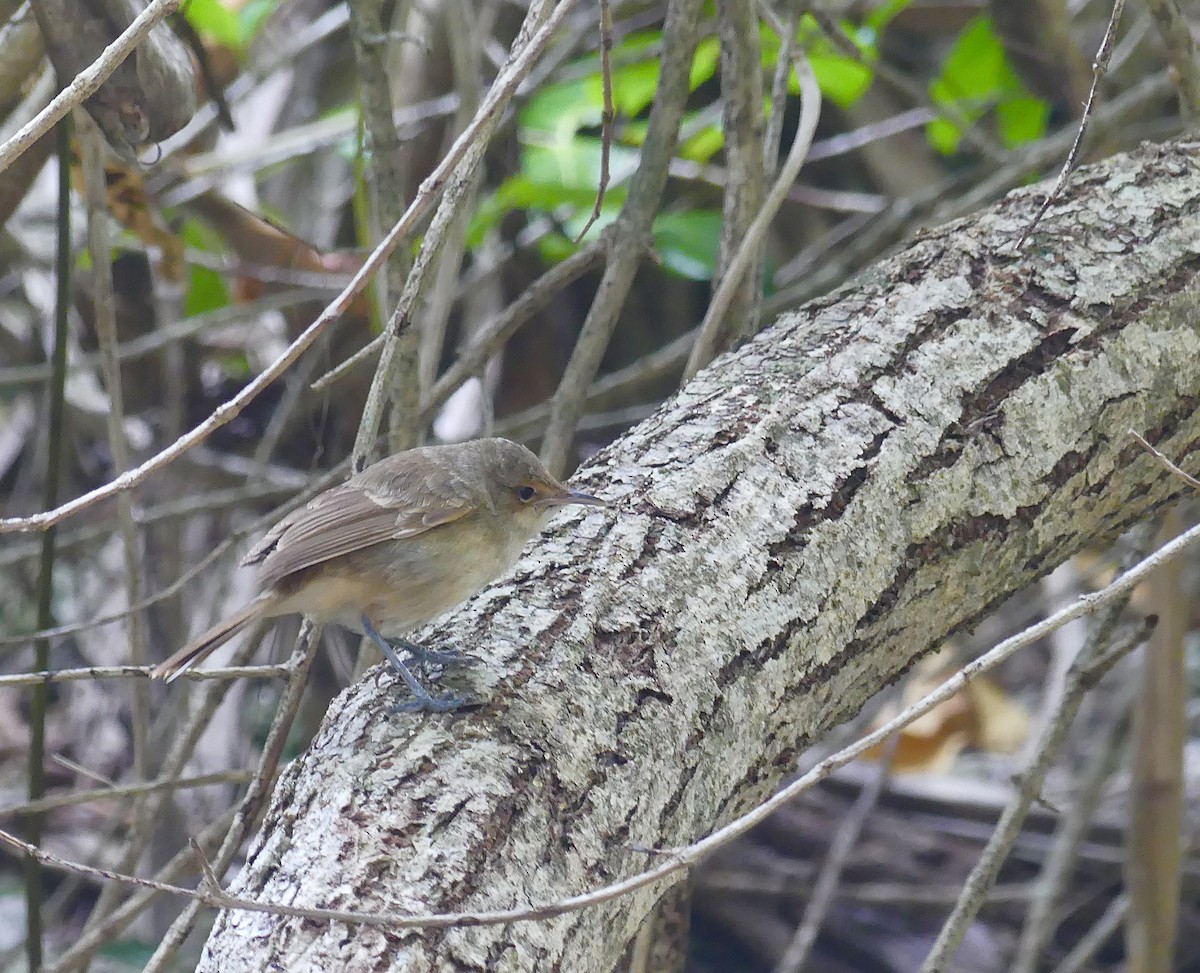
(430, 704)
(432, 657)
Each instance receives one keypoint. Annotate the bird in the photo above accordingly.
(396, 545)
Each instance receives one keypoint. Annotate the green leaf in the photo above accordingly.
(562, 109)
(703, 144)
(879, 18)
(575, 165)
(688, 241)
(206, 290)
(704, 64)
(976, 77)
(943, 135)
(554, 248)
(213, 19)
(572, 105)
(843, 80)
(634, 86)
(580, 219)
(552, 176)
(633, 133)
(1022, 120)
(560, 166)
(975, 66)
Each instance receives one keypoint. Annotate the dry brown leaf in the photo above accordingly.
(982, 716)
(130, 206)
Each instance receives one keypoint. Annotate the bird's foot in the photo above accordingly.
(430, 704)
(429, 657)
(422, 701)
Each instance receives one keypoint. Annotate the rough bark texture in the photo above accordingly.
(814, 511)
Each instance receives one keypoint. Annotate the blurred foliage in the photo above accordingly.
(560, 140)
(226, 24)
(207, 289)
(977, 77)
(560, 143)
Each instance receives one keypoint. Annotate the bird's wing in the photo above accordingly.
(347, 519)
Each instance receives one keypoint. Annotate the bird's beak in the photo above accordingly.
(575, 496)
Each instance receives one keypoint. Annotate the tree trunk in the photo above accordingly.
(869, 476)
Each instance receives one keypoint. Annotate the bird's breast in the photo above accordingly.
(422, 577)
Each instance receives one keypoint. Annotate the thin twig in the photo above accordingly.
(56, 801)
(209, 879)
(381, 166)
(1099, 67)
(212, 86)
(55, 443)
(1176, 34)
(91, 144)
(773, 137)
(1091, 942)
(1056, 870)
(62, 760)
(608, 114)
(745, 176)
(96, 673)
(825, 887)
(465, 31)
(1165, 463)
(1155, 835)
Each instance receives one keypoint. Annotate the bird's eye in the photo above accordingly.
(526, 493)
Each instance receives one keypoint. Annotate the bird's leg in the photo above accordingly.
(428, 657)
(422, 701)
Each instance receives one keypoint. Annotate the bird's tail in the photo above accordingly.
(199, 648)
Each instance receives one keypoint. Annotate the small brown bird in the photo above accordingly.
(396, 545)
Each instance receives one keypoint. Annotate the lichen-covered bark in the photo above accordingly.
(807, 517)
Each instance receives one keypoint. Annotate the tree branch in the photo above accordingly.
(806, 518)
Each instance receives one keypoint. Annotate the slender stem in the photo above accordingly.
(90, 142)
(40, 696)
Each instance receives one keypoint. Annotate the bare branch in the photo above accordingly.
(810, 108)
(1099, 67)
